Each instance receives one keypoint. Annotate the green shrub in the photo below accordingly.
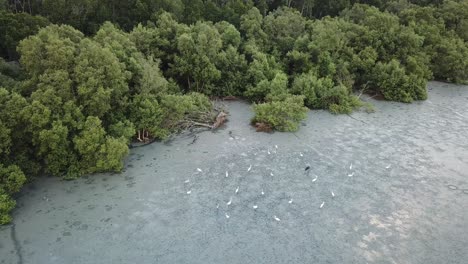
(281, 115)
(6, 205)
(395, 84)
(322, 93)
(11, 181)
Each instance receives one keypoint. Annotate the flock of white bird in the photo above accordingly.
(255, 206)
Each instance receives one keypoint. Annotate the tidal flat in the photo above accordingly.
(384, 187)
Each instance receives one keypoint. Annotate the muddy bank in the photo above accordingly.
(387, 187)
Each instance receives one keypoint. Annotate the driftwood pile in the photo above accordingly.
(211, 119)
(220, 119)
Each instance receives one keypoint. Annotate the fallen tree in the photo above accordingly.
(210, 119)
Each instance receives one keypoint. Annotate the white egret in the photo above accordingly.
(314, 179)
(230, 201)
(187, 181)
(323, 203)
(250, 167)
(227, 174)
(333, 194)
(290, 201)
(255, 206)
(227, 216)
(263, 193)
(237, 189)
(351, 175)
(198, 169)
(351, 166)
(276, 218)
(388, 166)
(189, 192)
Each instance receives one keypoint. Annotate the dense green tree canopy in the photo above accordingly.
(15, 27)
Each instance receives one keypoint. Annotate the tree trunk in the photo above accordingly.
(220, 119)
(139, 136)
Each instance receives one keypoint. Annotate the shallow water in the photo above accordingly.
(399, 179)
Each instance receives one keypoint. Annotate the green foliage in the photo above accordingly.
(196, 62)
(455, 15)
(447, 49)
(52, 48)
(396, 84)
(97, 151)
(251, 27)
(111, 154)
(232, 65)
(276, 89)
(100, 79)
(281, 115)
(6, 205)
(10, 74)
(54, 147)
(11, 181)
(15, 27)
(283, 27)
(146, 114)
(150, 80)
(207, 59)
(322, 93)
(450, 62)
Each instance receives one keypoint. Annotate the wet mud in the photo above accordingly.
(386, 187)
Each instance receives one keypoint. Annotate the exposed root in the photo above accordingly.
(263, 127)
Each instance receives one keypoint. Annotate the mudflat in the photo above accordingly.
(385, 187)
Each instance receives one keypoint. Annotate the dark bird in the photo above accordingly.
(307, 168)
